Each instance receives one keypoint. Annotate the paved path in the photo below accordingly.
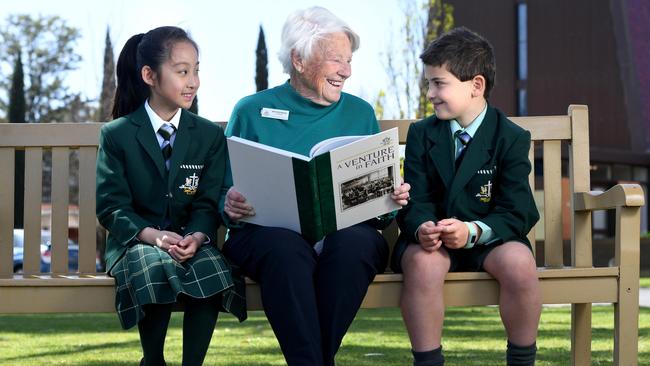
(644, 296)
(644, 299)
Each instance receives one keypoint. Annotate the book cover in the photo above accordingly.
(344, 181)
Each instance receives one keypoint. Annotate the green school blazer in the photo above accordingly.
(491, 184)
(134, 189)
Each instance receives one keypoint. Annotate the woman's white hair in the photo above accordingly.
(305, 28)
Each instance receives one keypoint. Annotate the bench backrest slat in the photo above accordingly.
(553, 253)
(7, 162)
(87, 219)
(549, 133)
(546, 127)
(531, 182)
(60, 201)
(581, 251)
(32, 210)
(402, 124)
(49, 134)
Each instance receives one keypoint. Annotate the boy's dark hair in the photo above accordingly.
(151, 49)
(465, 54)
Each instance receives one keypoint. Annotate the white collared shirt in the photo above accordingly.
(156, 122)
(470, 129)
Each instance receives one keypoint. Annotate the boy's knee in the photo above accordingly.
(520, 274)
(511, 259)
(419, 262)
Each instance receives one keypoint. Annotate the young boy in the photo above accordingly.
(471, 206)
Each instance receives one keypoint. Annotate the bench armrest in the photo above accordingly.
(620, 195)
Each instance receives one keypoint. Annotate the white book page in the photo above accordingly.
(332, 143)
(264, 175)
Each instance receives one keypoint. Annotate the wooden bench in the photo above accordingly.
(577, 283)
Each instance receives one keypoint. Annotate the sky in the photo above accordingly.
(226, 32)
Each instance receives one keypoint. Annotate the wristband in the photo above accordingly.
(472, 236)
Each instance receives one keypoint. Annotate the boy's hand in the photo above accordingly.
(453, 233)
(236, 205)
(429, 236)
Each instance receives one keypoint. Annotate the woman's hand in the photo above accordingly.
(236, 206)
(401, 195)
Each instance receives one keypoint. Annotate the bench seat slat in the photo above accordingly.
(476, 288)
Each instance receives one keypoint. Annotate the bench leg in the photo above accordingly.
(580, 334)
(626, 331)
(626, 311)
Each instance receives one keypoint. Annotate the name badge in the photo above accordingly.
(275, 113)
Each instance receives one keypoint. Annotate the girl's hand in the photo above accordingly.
(236, 206)
(401, 195)
(187, 247)
(160, 238)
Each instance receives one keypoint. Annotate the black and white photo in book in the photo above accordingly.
(366, 188)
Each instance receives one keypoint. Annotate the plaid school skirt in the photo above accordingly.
(148, 275)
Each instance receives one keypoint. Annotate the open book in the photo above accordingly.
(344, 181)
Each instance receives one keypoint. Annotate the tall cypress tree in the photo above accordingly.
(17, 111)
(108, 82)
(261, 70)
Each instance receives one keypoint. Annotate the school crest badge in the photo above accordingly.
(190, 185)
(485, 195)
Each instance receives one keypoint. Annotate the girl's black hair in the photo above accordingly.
(151, 49)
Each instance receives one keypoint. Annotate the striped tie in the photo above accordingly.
(166, 131)
(464, 139)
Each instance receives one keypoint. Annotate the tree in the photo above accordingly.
(17, 115)
(261, 70)
(422, 24)
(108, 82)
(17, 104)
(46, 45)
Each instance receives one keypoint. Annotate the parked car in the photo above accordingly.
(46, 252)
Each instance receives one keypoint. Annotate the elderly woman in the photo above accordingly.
(310, 299)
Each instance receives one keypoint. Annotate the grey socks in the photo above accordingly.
(429, 358)
(521, 356)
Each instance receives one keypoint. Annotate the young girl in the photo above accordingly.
(159, 175)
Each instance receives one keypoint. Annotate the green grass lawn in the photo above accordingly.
(473, 336)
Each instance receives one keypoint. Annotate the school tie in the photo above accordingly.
(166, 131)
(464, 138)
